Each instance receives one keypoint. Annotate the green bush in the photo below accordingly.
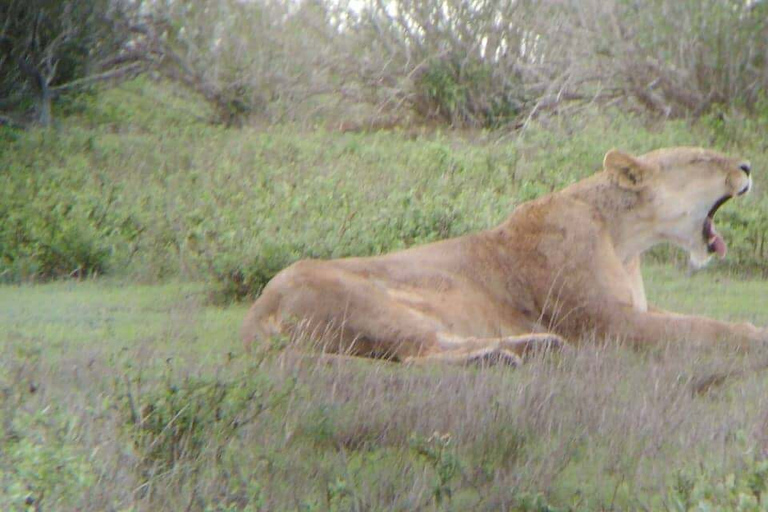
(127, 187)
(50, 229)
(709, 489)
(180, 419)
(42, 466)
(464, 92)
(437, 452)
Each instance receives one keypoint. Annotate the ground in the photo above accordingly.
(601, 428)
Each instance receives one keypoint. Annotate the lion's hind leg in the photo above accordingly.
(347, 313)
(337, 311)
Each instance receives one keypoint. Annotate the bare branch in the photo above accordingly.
(114, 75)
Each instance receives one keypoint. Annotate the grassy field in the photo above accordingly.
(131, 232)
(118, 396)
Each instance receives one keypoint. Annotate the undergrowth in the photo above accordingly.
(600, 429)
(133, 183)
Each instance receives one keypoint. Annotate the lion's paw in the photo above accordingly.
(496, 356)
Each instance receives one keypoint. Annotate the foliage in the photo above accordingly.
(465, 93)
(47, 44)
(710, 489)
(475, 64)
(175, 422)
(135, 184)
(41, 466)
(466, 63)
(437, 452)
(52, 230)
(698, 56)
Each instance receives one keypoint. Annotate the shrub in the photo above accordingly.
(51, 231)
(466, 92)
(155, 192)
(708, 489)
(42, 464)
(177, 421)
(438, 453)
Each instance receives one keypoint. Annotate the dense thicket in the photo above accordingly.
(381, 63)
(137, 182)
(50, 47)
(477, 63)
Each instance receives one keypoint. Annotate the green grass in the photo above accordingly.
(127, 387)
(601, 428)
(105, 315)
(716, 294)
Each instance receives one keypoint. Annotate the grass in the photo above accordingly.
(127, 387)
(716, 294)
(72, 316)
(136, 397)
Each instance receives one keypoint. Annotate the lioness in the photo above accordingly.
(562, 267)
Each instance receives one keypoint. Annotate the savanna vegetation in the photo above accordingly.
(160, 162)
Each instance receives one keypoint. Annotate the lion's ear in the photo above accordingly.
(627, 170)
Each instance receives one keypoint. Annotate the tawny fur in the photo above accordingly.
(562, 267)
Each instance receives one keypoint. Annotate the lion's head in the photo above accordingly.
(680, 191)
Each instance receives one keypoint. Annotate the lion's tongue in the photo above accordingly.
(717, 243)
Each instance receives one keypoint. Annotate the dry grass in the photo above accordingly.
(601, 427)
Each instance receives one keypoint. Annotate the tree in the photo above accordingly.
(50, 47)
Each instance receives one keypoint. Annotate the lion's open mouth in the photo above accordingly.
(712, 238)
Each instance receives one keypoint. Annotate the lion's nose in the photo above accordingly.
(746, 168)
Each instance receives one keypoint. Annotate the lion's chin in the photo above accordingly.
(699, 257)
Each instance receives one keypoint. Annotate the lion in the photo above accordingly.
(559, 270)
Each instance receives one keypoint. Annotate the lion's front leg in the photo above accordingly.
(653, 327)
